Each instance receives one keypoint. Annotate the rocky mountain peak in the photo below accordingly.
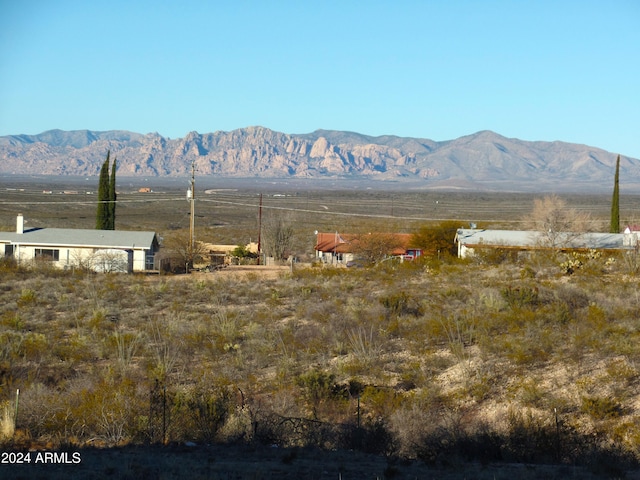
(481, 160)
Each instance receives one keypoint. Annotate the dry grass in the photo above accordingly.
(438, 364)
(81, 347)
(7, 422)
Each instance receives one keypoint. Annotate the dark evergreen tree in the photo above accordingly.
(615, 201)
(112, 197)
(102, 213)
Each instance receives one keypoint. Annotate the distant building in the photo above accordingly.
(97, 250)
(340, 249)
(470, 240)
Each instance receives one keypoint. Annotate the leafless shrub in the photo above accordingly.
(165, 349)
(278, 235)
(557, 224)
(364, 344)
(124, 346)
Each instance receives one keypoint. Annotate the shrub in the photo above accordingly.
(531, 393)
(318, 387)
(27, 297)
(530, 438)
(601, 408)
(10, 345)
(109, 409)
(495, 256)
(520, 296)
(8, 265)
(400, 304)
(7, 421)
(35, 346)
(379, 401)
(202, 411)
(364, 344)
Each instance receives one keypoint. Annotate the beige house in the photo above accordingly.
(97, 250)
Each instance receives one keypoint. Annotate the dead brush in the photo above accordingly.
(7, 421)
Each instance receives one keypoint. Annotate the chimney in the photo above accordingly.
(20, 224)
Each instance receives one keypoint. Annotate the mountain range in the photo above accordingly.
(483, 160)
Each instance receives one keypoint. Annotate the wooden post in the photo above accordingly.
(260, 230)
(193, 210)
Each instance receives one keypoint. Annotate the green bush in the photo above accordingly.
(318, 387)
(520, 296)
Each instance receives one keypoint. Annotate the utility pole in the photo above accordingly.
(192, 232)
(260, 230)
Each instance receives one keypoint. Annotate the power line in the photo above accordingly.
(470, 212)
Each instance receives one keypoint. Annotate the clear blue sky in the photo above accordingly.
(534, 70)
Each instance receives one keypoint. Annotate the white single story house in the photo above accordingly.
(97, 250)
(468, 239)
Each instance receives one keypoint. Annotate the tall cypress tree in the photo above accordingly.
(102, 213)
(615, 201)
(112, 197)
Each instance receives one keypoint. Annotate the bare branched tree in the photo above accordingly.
(277, 236)
(178, 245)
(557, 224)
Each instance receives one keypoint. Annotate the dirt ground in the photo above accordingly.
(262, 271)
(237, 271)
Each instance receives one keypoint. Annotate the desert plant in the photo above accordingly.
(7, 421)
(200, 411)
(557, 224)
(318, 387)
(520, 296)
(437, 240)
(125, 345)
(363, 344)
(278, 235)
(600, 408)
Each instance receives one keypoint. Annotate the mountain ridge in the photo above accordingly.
(484, 159)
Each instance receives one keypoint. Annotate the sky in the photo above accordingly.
(533, 70)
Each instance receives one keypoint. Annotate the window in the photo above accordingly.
(47, 254)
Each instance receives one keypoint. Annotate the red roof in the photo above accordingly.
(341, 243)
(333, 242)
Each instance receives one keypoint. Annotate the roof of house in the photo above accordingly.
(70, 237)
(530, 238)
(343, 243)
(333, 242)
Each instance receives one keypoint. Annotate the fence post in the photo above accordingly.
(15, 415)
(164, 414)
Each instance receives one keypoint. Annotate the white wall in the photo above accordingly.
(464, 251)
(110, 260)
